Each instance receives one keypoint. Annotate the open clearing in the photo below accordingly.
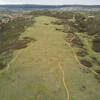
(47, 69)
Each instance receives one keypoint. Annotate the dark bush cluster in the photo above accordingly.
(9, 38)
(96, 44)
(82, 53)
(98, 71)
(77, 42)
(98, 78)
(86, 63)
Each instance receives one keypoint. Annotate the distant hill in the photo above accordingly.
(59, 7)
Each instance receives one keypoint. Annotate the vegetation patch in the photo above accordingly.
(83, 88)
(97, 77)
(46, 24)
(21, 43)
(98, 62)
(69, 37)
(86, 63)
(96, 45)
(82, 52)
(10, 39)
(85, 70)
(18, 45)
(2, 65)
(58, 22)
(77, 42)
(98, 71)
(95, 60)
(58, 29)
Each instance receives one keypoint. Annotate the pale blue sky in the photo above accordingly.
(51, 2)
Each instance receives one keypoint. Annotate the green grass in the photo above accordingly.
(35, 75)
(9, 39)
(87, 40)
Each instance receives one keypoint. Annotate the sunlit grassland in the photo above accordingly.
(35, 75)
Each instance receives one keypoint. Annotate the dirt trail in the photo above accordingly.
(78, 61)
(63, 80)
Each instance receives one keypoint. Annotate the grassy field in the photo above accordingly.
(87, 40)
(34, 73)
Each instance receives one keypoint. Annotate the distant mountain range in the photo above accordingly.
(58, 7)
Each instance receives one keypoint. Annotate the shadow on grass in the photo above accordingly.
(10, 39)
(21, 44)
(86, 63)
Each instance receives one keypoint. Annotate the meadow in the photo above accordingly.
(53, 58)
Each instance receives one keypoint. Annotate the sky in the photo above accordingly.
(51, 2)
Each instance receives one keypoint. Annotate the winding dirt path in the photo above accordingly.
(63, 80)
(76, 57)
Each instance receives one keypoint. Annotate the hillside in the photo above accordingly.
(47, 69)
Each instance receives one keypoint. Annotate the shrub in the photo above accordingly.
(82, 52)
(77, 42)
(86, 63)
(96, 44)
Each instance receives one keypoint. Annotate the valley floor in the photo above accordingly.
(47, 69)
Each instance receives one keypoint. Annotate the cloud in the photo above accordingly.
(12, 2)
(2, 2)
(5, 2)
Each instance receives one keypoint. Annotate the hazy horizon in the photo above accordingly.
(51, 2)
(55, 4)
